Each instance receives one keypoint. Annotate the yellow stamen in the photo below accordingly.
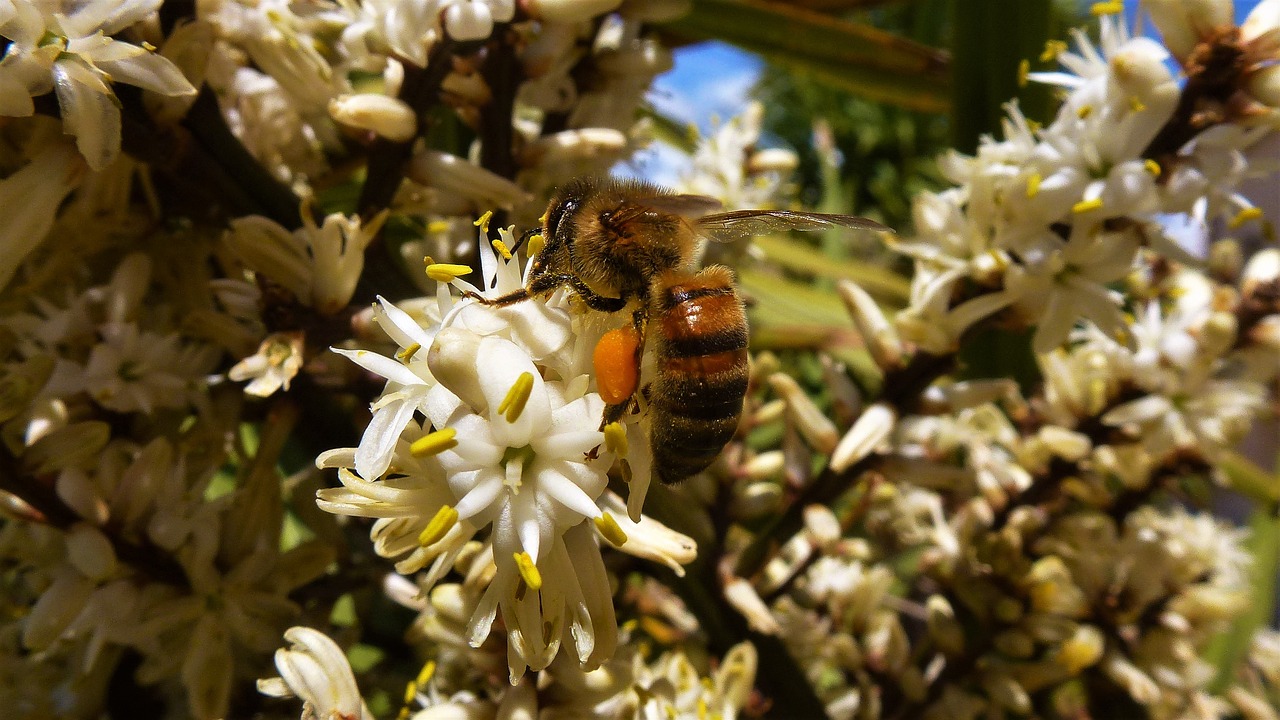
(446, 272)
(1034, 125)
(1033, 185)
(427, 672)
(438, 226)
(410, 691)
(609, 530)
(1152, 167)
(1052, 49)
(1244, 216)
(615, 438)
(1024, 68)
(1085, 206)
(434, 443)
(1106, 8)
(1084, 111)
(148, 46)
(440, 525)
(517, 397)
(403, 714)
(406, 354)
(702, 709)
(528, 571)
(482, 222)
(536, 243)
(502, 249)
(1136, 105)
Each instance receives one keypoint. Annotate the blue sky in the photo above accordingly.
(711, 81)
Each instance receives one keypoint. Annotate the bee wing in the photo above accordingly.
(739, 224)
(688, 206)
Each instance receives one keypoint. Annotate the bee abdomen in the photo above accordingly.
(702, 371)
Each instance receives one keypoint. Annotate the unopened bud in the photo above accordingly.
(569, 11)
(867, 433)
(388, 117)
(877, 332)
(90, 551)
(817, 428)
(945, 630)
(744, 599)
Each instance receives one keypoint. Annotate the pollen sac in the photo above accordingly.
(617, 369)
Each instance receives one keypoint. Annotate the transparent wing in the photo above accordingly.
(688, 206)
(739, 224)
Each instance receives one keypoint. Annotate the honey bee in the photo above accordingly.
(622, 243)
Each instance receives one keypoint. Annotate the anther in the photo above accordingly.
(434, 443)
(1244, 216)
(517, 397)
(1033, 185)
(406, 354)
(1085, 206)
(502, 249)
(440, 525)
(615, 438)
(482, 222)
(528, 570)
(446, 272)
(609, 530)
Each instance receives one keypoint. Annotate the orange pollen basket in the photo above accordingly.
(617, 372)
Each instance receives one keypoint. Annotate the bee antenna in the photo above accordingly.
(525, 238)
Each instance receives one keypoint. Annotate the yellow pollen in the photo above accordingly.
(609, 530)
(148, 46)
(1106, 8)
(482, 222)
(446, 272)
(702, 708)
(543, 219)
(502, 249)
(1034, 125)
(438, 226)
(536, 243)
(434, 443)
(1033, 185)
(406, 354)
(517, 397)
(428, 671)
(615, 438)
(1244, 216)
(528, 571)
(1024, 68)
(1136, 105)
(440, 525)
(629, 625)
(1052, 49)
(403, 714)
(1152, 167)
(410, 691)
(1084, 111)
(1085, 206)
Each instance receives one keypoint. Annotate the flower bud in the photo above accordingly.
(1183, 23)
(779, 160)
(452, 360)
(817, 428)
(388, 117)
(1226, 257)
(877, 332)
(746, 600)
(945, 630)
(1083, 649)
(90, 552)
(870, 430)
(569, 11)
(1261, 273)
(654, 11)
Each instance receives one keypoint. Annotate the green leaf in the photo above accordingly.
(1246, 478)
(1230, 648)
(849, 56)
(798, 256)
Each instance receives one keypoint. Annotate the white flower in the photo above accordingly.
(509, 440)
(320, 265)
(31, 197)
(277, 361)
(74, 55)
(316, 670)
(134, 370)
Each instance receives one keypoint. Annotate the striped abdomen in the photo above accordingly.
(700, 332)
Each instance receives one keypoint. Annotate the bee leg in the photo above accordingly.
(595, 301)
(614, 413)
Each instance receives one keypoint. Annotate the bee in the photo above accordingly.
(619, 244)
